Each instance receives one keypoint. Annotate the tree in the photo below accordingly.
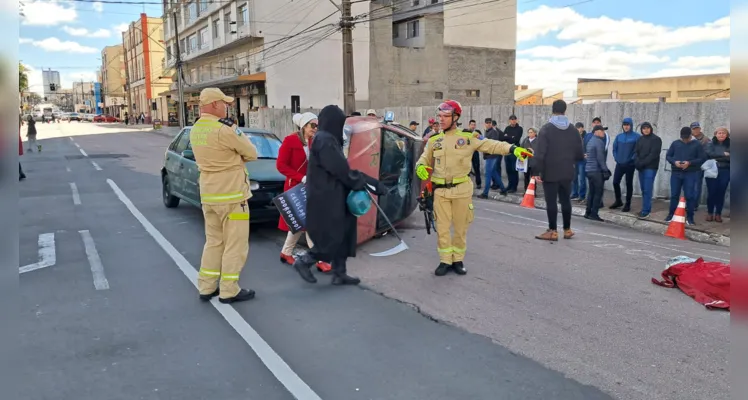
(23, 78)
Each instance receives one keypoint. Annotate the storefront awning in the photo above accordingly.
(231, 81)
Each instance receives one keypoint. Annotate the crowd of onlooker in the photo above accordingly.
(694, 159)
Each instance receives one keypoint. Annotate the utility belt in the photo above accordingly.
(441, 183)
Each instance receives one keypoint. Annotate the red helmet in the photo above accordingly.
(432, 121)
(451, 105)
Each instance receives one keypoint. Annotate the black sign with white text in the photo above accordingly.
(292, 207)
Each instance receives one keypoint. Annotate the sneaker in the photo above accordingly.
(668, 218)
(574, 197)
(626, 208)
(286, 259)
(642, 215)
(617, 204)
(595, 218)
(345, 279)
(690, 222)
(482, 196)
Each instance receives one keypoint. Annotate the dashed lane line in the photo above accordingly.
(76, 195)
(274, 363)
(97, 268)
(96, 166)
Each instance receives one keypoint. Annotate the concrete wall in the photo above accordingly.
(667, 119)
(407, 76)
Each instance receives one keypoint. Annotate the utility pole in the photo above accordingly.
(127, 74)
(349, 84)
(178, 64)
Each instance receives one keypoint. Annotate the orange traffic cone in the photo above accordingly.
(529, 200)
(677, 227)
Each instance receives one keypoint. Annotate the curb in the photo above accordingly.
(157, 132)
(627, 221)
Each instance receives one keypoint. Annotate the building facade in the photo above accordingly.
(265, 53)
(113, 80)
(677, 89)
(143, 57)
(83, 97)
(425, 51)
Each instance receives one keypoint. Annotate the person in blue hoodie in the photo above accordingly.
(579, 185)
(624, 153)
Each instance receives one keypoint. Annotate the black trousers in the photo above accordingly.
(594, 193)
(558, 192)
(20, 170)
(476, 168)
(620, 172)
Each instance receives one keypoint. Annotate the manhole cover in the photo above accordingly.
(78, 157)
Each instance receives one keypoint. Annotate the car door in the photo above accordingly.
(190, 177)
(174, 167)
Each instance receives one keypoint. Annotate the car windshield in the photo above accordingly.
(267, 144)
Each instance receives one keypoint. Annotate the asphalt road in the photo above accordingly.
(112, 311)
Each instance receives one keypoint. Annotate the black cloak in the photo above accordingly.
(329, 180)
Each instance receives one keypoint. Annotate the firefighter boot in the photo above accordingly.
(459, 268)
(302, 265)
(442, 269)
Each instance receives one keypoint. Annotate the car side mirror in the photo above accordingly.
(188, 154)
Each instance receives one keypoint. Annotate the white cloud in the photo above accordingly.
(703, 62)
(47, 13)
(582, 50)
(35, 79)
(606, 31)
(98, 6)
(605, 48)
(101, 33)
(118, 29)
(55, 44)
(544, 20)
(25, 40)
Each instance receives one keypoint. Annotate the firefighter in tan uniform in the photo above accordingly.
(220, 152)
(450, 155)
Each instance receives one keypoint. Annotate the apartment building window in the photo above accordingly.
(203, 5)
(416, 3)
(395, 31)
(227, 23)
(193, 43)
(472, 93)
(434, 1)
(202, 36)
(168, 52)
(191, 12)
(182, 48)
(413, 28)
(243, 15)
(193, 75)
(215, 27)
(438, 95)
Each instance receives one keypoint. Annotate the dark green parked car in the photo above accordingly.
(179, 175)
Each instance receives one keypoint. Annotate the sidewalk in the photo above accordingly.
(703, 232)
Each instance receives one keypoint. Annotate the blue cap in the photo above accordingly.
(695, 125)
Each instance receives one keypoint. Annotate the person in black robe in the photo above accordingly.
(330, 224)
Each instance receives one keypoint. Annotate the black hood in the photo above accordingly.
(646, 124)
(332, 120)
(726, 143)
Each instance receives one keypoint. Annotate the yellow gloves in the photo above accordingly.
(422, 172)
(521, 152)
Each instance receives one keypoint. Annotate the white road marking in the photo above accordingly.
(76, 195)
(47, 256)
(97, 268)
(96, 166)
(83, 152)
(275, 364)
(67, 168)
(77, 145)
(641, 242)
(71, 138)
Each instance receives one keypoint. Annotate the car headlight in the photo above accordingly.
(254, 185)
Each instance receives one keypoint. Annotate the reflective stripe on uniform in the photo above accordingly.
(240, 216)
(210, 272)
(230, 277)
(452, 249)
(442, 181)
(222, 197)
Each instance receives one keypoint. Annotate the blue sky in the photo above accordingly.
(606, 38)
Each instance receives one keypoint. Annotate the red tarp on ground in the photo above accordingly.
(706, 282)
